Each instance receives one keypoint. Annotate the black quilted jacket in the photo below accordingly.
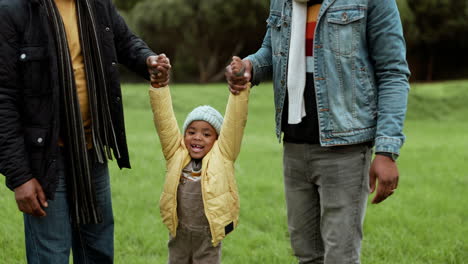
(29, 92)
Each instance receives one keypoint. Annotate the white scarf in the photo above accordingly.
(297, 62)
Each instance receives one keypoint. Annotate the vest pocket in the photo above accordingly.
(345, 29)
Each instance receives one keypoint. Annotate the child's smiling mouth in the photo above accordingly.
(197, 148)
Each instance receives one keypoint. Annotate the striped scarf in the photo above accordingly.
(80, 184)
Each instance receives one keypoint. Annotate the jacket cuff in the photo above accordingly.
(255, 69)
(159, 90)
(144, 71)
(21, 177)
(394, 157)
(388, 144)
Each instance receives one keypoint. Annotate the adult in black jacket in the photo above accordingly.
(61, 117)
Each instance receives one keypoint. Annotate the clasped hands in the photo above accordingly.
(159, 68)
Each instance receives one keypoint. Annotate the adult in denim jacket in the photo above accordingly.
(360, 85)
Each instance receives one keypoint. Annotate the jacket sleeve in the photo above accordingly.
(14, 164)
(235, 119)
(387, 50)
(262, 59)
(165, 120)
(131, 50)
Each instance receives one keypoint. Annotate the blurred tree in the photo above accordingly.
(200, 36)
(437, 27)
(409, 25)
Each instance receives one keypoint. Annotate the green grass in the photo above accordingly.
(426, 221)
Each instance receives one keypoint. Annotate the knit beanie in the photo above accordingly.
(205, 113)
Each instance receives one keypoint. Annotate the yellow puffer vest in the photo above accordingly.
(219, 189)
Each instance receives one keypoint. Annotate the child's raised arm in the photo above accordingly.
(165, 121)
(235, 118)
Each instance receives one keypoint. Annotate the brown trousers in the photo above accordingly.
(192, 244)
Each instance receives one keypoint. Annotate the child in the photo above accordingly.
(200, 203)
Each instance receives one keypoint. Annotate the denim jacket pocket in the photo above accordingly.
(275, 23)
(345, 28)
(274, 20)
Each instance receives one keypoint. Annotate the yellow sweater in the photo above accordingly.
(67, 9)
(219, 188)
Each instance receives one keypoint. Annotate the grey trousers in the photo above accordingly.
(326, 194)
(192, 244)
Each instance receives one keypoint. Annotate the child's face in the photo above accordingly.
(199, 138)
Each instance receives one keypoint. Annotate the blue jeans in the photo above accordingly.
(49, 239)
(326, 194)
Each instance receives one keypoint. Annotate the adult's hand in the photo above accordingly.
(159, 68)
(385, 171)
(30, 198)
(238, 82)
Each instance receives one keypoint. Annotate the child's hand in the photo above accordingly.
(238, 74)
(158, 68)
(237, 66)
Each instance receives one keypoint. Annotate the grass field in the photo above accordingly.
(425, 221)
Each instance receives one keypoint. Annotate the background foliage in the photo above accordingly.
(200, 36)
(437, 36)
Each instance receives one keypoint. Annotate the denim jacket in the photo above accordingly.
(361, 73)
